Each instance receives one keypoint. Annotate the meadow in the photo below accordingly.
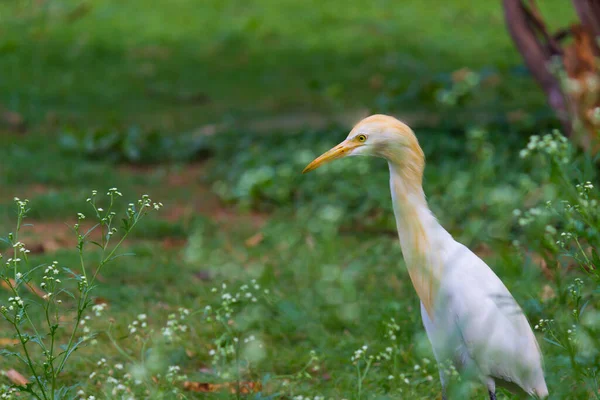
(226, 273)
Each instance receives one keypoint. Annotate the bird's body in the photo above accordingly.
(470, 317)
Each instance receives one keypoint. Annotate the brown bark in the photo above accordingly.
(524, 26)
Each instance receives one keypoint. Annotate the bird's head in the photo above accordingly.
(379, 136)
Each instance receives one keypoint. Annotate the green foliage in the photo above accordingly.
(332, 294)
(39, 349)
(133, 146)
(475, 187)
(194, 63)
(264, 172)
(563, 228)
(321, 296)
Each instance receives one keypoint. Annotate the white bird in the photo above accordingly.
(470, 317)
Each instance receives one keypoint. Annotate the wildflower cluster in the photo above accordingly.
(20, 247)
(9, 393)
(584, 189)
(124, 381)
(247, 293)
(554, 145)
(175, 324)
(392, 328)
(86, 330)
(361, 354)
(449, 370)
(575, 288)
(387, 359)
(564, 239)
(226, 348)
(49, 279)
(544, 325)
(38, 341)
(99, 309)
(232, 347)
(21, 206)
(572, 334)
(145, 201)
(13, 262)
(16, 307)
(422, 372)
(174, 374)
(138, 323)
(15, 302)
(565, 234)
(527, 217)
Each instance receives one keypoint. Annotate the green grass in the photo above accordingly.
(332, 297)
(326, 248)
(108, 61)
(334, 283)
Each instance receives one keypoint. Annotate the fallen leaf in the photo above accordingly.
(67, 318)
(4, 342)
(5, 285)
(547, 293)
(14, 121)
(460, 74)
(36, 248)
(101, 300)
(539, 260)
(50, 246)
(232, 387)
(483, 250)
(173, 243)
(189, 353)
(255, 240)
(199, 387)
(16, 377)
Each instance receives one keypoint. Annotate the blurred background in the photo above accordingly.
(214, 108)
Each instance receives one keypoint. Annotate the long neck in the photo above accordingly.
(419, 232)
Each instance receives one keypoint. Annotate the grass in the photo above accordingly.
(105, 61)
(323, 245)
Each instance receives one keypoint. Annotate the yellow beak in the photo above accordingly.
(339, 151)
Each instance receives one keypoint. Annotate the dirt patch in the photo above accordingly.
(200, 200)
(28, 192)
(185, 196)
(50, 236)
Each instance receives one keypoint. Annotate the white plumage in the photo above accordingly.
(470, 317)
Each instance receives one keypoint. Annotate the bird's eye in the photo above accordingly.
(361, 138)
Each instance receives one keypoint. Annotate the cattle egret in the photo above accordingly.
(470, 317)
